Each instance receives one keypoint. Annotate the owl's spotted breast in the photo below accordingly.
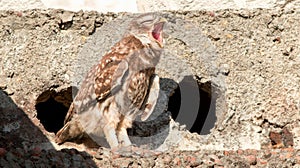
(137, 89)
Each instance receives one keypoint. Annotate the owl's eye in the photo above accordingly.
(147, 22)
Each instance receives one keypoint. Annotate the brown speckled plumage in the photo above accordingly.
(119, 88)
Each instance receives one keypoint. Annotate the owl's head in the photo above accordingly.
(148, 28)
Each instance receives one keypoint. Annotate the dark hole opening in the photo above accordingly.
(65, 25)
(52, 108)
(204, 119)
(51, 114)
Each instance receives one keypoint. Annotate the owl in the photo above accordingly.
(120, 88)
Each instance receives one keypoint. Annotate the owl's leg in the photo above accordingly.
(122, 131)
(110, 135)
(123, 137)
(126, 148)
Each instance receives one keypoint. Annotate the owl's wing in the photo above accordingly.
(85, 97)
(152, 98)
(111, 79)
(102, 81)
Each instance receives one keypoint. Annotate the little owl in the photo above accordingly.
(121, 87)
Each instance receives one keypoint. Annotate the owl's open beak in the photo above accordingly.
(157, 31)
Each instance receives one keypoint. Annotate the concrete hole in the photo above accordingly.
(52, 107)
(206, 112)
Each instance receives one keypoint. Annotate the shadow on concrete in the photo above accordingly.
(24, 144)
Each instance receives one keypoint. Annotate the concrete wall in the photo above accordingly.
(252, 57)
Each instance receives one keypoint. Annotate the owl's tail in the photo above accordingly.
(71, 130)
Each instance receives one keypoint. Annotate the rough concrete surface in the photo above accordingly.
(247, 60)
(159, 5)
(143, 5)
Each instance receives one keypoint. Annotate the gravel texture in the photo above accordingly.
(248, 59)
